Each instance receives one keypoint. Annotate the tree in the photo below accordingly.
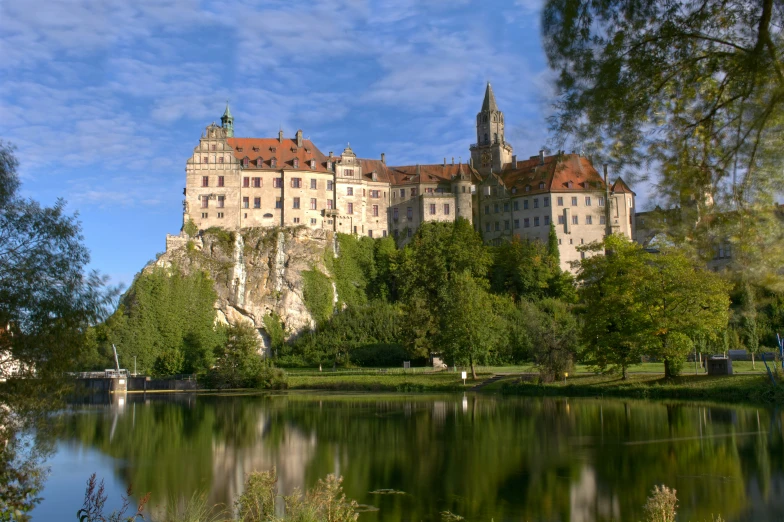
(748, 314)
(237, 361)
(47, 303)
(554, 334)
(674, 299)
(552, 246)
(469, 328)
(690, 88)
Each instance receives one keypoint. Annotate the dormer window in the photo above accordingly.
(245, 162)
(259, 162)
(255, 149)
(239, 149)
(312, 164)
(569, 184)
(273, 162)
(528, 188)
(296, 163)
(541, 185)
(272, 149)
(329, 165)
(514, 190)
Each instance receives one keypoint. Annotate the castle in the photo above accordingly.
(236, 183)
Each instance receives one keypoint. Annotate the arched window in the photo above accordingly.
(296, 163)
(495, 137)
(486, 138)
(484, 118)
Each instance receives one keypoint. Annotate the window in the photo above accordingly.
(245, 162)
(256, 202)
(312, 164)
(220, 160)
(582, 255)
(495, 208)
(296, 220)
(295, 163)
(487, 227)
(546, 202)
(560, 201)
(526, 223)
(601, 202)
(525, 204)
(220, 181)
(221, 201)
(536, 202)
(528, 188)
(278, 202)
(205, 202)
(487, 209)
(497, 226)
(432, 209)
(256, 182)
(246, 182)
(329, 204)
(506, 224)
(602, 221)
(589, 220)
(350, 208)
(561, 220)
(429, 190)
(312, 221)
(296, 203)
(410, 213)
(408, 232)
(370, 233)
(220, 214)
(245, 202)
(383, 233)
(205, 215)
(349, 191)
(395, 214)
(516, 205)
(574, 201)
(313, 203)
(349, 173)
(547, 221)
(506, 207)
(536, 221)
(375, 194)
(587, 201)
(575, 220)
(273, 162)
(571, 241)
(402, 193)
(296, 182)
(375, 210)
(276, 182)
(413, 192)
(213, 147)
(313, 184)
(559, 241)
(446, 209)
(630, 203)
(582, 241)
(206, 159)
(541, 185)
(329, 185)
(517, 223)
(205, 181)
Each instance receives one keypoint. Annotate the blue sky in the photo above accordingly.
(105, 99)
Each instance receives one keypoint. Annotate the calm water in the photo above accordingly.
(508, 459)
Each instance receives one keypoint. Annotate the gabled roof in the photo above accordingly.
(621, 186)
(439, 173)
(372, 165)
(559, 173)
(284, 152)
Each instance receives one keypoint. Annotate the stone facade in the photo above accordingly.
(239, 183)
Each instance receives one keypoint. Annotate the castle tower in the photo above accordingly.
(491, 151)
(227, 122)
(461, 188)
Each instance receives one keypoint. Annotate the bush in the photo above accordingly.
(378, 355)
(269, 378)
(661, 505)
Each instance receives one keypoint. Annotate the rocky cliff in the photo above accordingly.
(256, 271)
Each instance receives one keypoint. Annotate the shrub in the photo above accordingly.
(269, 378)
(190, 228)
(317, 294)
(661, 505)
(257, 502)
(378, 355)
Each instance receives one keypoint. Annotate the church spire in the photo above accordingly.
(227, 121)
(489, 103)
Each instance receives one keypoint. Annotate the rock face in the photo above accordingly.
(256, 271)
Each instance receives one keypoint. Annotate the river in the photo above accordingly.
(479, 456)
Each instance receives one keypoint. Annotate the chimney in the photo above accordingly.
(383, 158)
(299, 138)
(453, 160)
(514, 160)
(541, 156)
(330, 154)
(444, 162)
(280, 135)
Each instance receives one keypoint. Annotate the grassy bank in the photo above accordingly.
(737, 388)
(379, 381)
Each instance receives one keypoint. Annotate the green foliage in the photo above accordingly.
(95, 498)
(190, 228)
(661, 505)
(317, 294)
(257, 502)
(238, 363)
(552, 246)
(640, 302)
(225, 238)
(354, 269)
(554, 334)
(527, 269)
(378, 355)
(274, 328)
(165, 320)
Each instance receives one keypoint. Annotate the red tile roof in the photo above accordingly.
(621, 186)
(559, 173)
(284, 152)
(439, 173)
(380, 168)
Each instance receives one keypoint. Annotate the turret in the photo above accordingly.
(227, 122)
(491, 151)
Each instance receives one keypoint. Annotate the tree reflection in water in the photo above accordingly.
(481, 457)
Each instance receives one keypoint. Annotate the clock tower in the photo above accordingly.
(491, 151)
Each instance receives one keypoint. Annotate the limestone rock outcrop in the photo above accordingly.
(256, 271)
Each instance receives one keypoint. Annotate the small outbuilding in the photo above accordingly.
(719, 365)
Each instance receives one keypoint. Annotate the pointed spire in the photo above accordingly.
(227, 121)
(227, 112)
(489, 103)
